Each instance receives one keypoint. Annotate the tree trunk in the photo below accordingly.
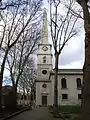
(1, 74)
(82, 88)
(27, 98)
(14, 84)
(85, 111)
(23, 96)
(86, 90)
(56, 85)
(14, 95)
(1, 78)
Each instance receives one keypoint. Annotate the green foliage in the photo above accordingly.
(74, 117)
(70, 112)
(75, 109)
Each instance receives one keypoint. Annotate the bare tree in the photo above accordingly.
(13, 29)
(63, 28)
(85, 114)
(11, 3)
(19, 56)
(27, 79)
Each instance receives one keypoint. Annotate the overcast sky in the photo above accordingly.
(72, 55)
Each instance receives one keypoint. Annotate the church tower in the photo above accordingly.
(44, 66)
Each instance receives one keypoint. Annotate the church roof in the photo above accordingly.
(68, 71)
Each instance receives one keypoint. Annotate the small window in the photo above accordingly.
(63, 83)
(64, 96)
(44, 85)
(79, 96)
(78, 80)
(44, 59)
(44, 72)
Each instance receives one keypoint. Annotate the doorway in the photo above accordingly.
(44, 100)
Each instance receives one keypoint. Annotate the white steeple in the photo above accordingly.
(44, 66)
(44, 29)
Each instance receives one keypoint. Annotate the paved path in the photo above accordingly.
(41, 113)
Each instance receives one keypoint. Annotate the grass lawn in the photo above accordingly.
(73, 111)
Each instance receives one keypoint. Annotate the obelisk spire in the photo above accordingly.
(44, 29)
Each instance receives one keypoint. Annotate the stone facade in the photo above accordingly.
(69, 91)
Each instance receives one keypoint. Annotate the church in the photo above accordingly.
(69, 80)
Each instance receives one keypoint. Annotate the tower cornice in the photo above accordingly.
(45, 44)
(44, 54)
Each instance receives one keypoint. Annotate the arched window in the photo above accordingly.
(63, 83)
(78, 80)
(44, 59)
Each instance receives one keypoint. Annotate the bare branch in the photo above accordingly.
(75, 13)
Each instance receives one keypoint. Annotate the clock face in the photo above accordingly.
(45, 48)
